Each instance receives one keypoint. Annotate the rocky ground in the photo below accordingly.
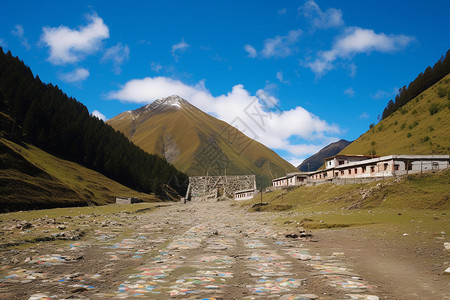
(197, 251)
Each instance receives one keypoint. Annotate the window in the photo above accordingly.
(336, 174)
(396, 167)
(342, 172)
(356, 171)
(364, 169)
(372, 169)
(349, 172)
(385, 166)
(341, 162)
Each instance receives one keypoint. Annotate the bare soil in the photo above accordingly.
(217, 251)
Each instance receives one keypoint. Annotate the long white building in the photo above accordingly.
(367, 167)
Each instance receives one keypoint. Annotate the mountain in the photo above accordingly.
(421, 126)
(316, 161)
(197, 143)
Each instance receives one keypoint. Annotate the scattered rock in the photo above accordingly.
(79, 290)
(447, 246)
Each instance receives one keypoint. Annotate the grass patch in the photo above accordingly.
(391, 201)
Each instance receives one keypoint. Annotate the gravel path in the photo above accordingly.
(191, 251)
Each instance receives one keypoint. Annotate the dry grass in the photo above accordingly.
(411, 129)
(420, 197)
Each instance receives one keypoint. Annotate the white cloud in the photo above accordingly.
(280, 77)
(258, 116)
(364, 115)
(98, 115)
(381, 94)
(349, 92)
(3, 43)
(77, 75)
(251, 51)
(144, 42)
(352, 70)
(19, 32)
(282, 11)
(156, 67)
(71, 45)
(357, 40)
(281, 46)
(118, 54)
(295, 161)
(179, 48)
(332, 17)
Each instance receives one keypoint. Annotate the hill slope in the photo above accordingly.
(31, 178)
(314, 162)
(419, 127)
(197, 143)
(43, 115)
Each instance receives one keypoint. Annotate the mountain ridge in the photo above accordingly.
(315, 161)
(196, 142)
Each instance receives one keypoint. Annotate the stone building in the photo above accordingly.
(202, 188)
(128, 200)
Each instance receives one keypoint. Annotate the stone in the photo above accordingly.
(447, 246)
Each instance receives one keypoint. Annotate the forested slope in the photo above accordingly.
(45, 116)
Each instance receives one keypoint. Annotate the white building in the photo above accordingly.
(244, 194)
(385, 166)
(365, 167)
(291, 179)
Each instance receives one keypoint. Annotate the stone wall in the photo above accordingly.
(213, 187)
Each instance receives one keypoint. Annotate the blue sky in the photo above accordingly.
(320, 70)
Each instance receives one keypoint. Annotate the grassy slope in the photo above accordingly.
(32, 178)
(197, 127)
(428, 134)
(358, 204)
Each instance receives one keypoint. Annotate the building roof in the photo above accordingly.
(244, 191)
(351, 155)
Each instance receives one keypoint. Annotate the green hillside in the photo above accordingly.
(31, 178)
(419, 127)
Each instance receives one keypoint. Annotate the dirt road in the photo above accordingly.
(191, 251)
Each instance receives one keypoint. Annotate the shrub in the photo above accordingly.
(425, 139)
(371, 126)
(414, 112)
(441, 92)
(434, 108)
(409, 135)
(414, 124)
(403, 126)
